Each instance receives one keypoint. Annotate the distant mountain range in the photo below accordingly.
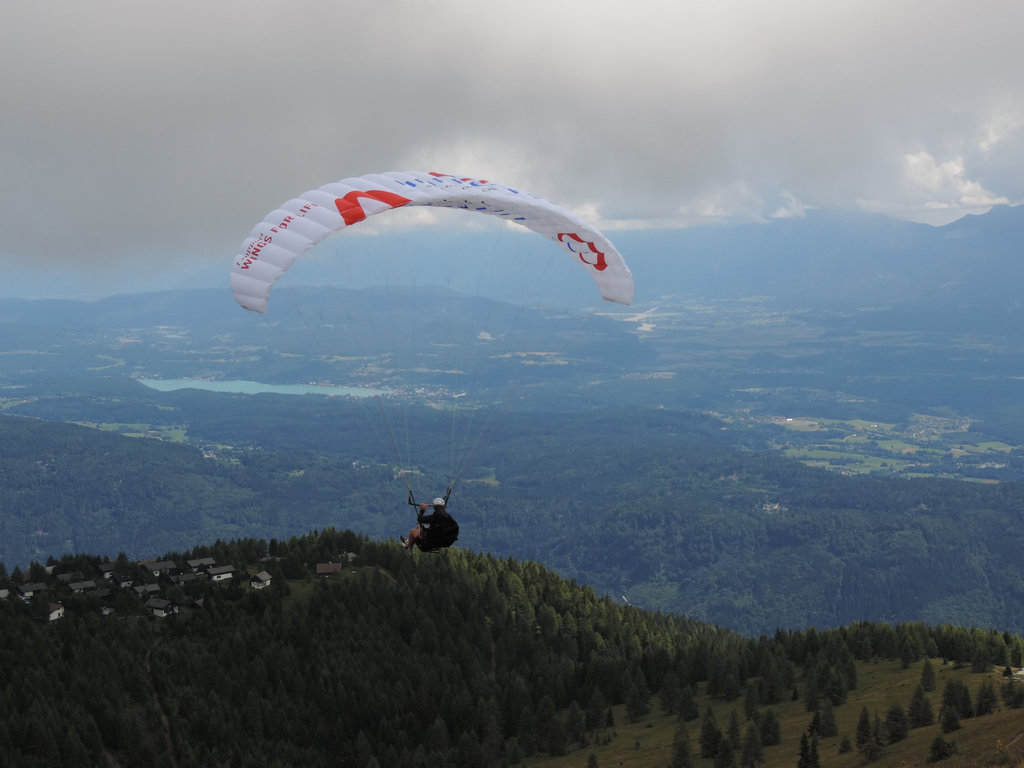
(829, 259)
(822, 259)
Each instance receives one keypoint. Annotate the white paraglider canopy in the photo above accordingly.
(289, 231)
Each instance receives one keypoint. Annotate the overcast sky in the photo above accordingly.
(141, 137)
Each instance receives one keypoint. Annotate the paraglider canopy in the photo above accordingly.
(289, 231)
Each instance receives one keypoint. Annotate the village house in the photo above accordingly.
(328, 569)
(159, 608)
(122, 580)
(260, 581)
(56, 612)
(221, 572)
(159, 567)
(28, 591)
(146, 589)
(107, 569)
(200, 564)
(82, 586)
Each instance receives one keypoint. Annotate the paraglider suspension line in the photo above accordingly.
(394, 443)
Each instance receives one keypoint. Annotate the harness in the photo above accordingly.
(442, 532)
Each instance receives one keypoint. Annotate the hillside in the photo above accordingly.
(456, 660)
(996, 739)
(689, 522)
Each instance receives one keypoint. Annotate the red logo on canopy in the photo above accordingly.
(351, 211)
(583, 249)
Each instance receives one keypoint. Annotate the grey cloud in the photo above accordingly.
(139, 134)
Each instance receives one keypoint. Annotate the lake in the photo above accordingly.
(243, 387)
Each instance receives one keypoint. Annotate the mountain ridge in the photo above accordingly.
(819, 258)
(460, 659)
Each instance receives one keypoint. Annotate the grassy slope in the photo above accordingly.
(881, 684)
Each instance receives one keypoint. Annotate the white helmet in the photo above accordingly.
(438, 502)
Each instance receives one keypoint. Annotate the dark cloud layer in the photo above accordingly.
(134, 134)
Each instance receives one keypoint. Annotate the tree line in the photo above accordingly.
(455, 659)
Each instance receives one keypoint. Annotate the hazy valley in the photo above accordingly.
(645, 450)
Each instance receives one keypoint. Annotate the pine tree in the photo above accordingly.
(941, 749)
(688, 709)
(770, 729)
(637, 706)
(364, 750)
(710, 737)
(957, 696)
(848, 669)
(815, 758)
(389, 756)
(980, 661)
(643, 692)
(575, 721)
(815, 724)
(545, 714)
(988, 701)
(908, 653)
(1013, 695)
(751, 700)
(773, 681)
(920, 713)
(73, 751)
(527, 731)
(965, 708)
(671, 691)
(804, 761)
(811, 697)
(836, 688)
(733, 731)
(875, 746)
(827, 725)
(468, 750)
(897, 724)
(491, 745)
(513, 752)
(753, 752)
(927, 677)
(862, 736)
(949, 719)
(557, 738)
(1017, 652)
(595, 709)
(726, 756)
(435, 740)
(681, 754)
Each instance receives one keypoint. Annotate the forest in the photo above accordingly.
(689, 521)
(457, 659)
